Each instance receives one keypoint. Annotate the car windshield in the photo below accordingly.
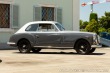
(60, 27)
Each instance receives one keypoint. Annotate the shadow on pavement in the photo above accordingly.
(0, 60)
(4, 46)
(8, 48)
(67, 53)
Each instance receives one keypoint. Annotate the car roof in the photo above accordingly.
(22, 29)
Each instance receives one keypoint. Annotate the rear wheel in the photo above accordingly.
(24, 46)
(36, 50)
(92, 50)
(82, 47)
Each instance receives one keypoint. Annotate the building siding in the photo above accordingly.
(26, 10)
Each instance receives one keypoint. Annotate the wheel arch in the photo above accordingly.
(22, 39)
(28, 37)
(79, 40)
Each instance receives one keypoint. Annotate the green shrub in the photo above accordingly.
(93, 26)
(93, 16)
(108, 30)
(101, 29)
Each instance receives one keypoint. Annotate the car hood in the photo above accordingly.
(78, 32)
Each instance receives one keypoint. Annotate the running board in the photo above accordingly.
(49, 47)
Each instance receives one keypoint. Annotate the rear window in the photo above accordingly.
(32, 27)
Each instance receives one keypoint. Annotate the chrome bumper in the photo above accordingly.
(96, 46)
(11, 43)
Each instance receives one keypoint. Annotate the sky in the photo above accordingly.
(98, 8)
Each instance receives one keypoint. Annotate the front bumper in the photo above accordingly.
(96, 42)
(11, 43)
(96, 46)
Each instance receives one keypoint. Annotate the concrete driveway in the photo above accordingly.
(55, 61)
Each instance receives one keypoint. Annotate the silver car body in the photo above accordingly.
(56, 38)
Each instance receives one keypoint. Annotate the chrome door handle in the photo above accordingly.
(37, 36)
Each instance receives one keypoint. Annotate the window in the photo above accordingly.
(46, 27)
(42, 13)
(9, 16)
(33, 27)
(60, 27)
(47, 13)
(4, 15)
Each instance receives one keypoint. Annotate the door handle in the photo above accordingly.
(37, 36)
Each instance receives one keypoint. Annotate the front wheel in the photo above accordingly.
(92, 50)
(24, 46)
(82, 47)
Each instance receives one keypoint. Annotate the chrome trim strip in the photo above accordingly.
(11, 43)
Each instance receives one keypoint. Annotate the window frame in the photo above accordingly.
(11, 19)
(57, 12)
(48, 30)
(6, 30)
(37, 30)
(31, 25)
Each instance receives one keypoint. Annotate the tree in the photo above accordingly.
(83, 24)
(93, 16)
(101, 29)
(93, 26)
(105, 20)
(107, 14)
(108, 30)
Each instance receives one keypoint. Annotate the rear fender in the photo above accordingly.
(29, 37)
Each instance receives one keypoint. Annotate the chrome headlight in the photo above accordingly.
(96, 39)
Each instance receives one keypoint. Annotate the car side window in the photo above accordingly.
(46, 27)
(33, 27)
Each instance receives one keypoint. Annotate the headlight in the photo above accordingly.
(96, 39)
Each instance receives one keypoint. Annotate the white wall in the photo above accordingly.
(70, 9)
(76, 16)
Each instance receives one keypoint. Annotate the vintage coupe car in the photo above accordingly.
(38, 35)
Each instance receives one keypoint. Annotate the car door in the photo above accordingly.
(47, 35)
